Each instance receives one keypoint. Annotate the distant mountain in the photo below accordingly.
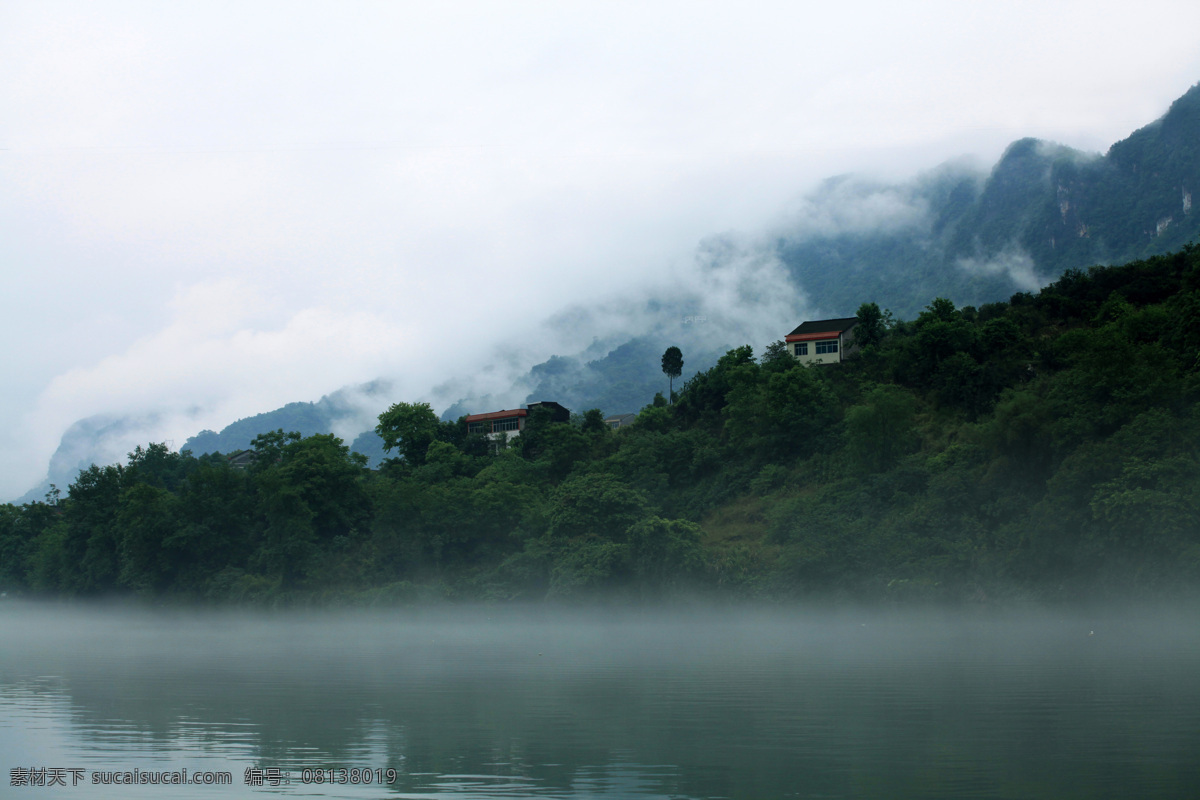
(975, 238)
(342, 410)
(957, 231)
(99, 439)
(623, 380)
(106, 438)
(307, 418)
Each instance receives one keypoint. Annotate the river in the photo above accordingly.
(603, 703)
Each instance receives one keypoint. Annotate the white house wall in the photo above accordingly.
(845, 348)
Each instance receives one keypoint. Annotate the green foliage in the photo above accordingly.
(218, 518)
(157, 466)
(593, 422)
(776, 357)
(21, 533)
(881, 429)
(594, 506)
(328, 480)
(92, 542)
(703, 398)
(560, 447)
(672, 367)
(289, 542)
(590, 566)
(50, 570)
(1043, 447)
(268, 447)
(869, 329)
(409, 428)
(788, 415)
(665, 551)
(147, 517)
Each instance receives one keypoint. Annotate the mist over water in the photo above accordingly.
(500, 702)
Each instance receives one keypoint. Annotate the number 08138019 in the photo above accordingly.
(352, 775)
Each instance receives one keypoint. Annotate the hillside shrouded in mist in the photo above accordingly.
(1042, 447)
(214, 212)
(956, 231)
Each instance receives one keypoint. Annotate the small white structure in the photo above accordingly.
(619, 420)
(825, 341)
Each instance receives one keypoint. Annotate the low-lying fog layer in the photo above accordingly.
(486, 702)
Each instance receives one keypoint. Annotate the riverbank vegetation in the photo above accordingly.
(1046, 447)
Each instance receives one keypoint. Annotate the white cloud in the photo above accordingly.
(852, 204)
(209, 209)
(745, 293)
(1014, 263)
(211, 364)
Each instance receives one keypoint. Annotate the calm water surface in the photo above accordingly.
(484, 703)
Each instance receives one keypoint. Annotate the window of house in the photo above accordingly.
(827, 346)
(507, 424)
(801, 348)
(477, 427)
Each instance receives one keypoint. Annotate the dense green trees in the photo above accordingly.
(880, 430)
(871, 326)
(409, 428)
(1044, 447)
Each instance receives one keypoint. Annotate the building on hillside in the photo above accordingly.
(494, 423)
(511, 422)
(558, 413)
(242, 459)
(826, 341)
(619, 420)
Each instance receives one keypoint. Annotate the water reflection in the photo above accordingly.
(486, 703)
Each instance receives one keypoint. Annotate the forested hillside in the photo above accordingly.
(1043, 447)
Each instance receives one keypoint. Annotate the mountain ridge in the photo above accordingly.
(969, 235)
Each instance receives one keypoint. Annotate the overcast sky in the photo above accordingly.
(211, 209)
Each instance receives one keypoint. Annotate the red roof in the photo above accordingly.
(808, 337)
(516, 412)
